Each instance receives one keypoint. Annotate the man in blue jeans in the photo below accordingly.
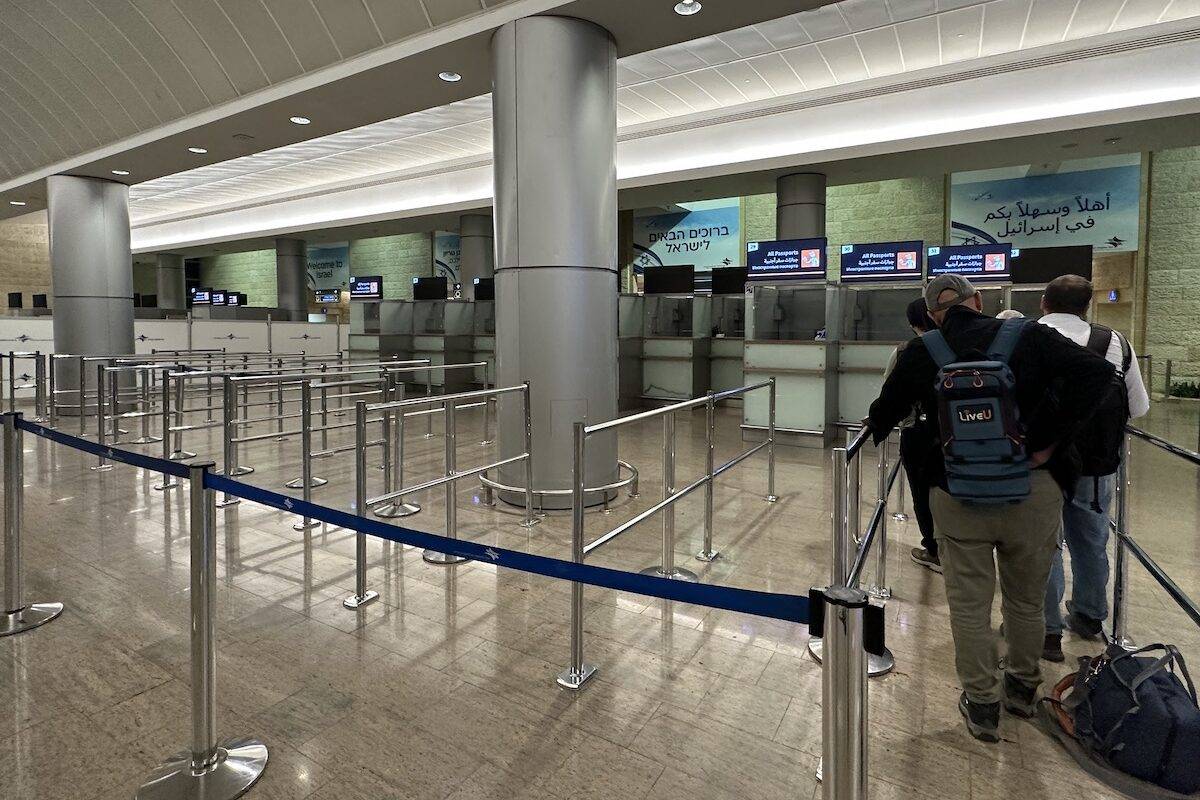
(1085, 517)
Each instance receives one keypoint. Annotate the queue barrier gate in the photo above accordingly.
(223, 769)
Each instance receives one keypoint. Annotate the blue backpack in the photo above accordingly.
(983, 442)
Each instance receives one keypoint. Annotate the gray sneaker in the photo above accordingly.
(1019, 699)
(926, 559)
(983, 719)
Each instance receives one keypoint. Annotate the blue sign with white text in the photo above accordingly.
(787, 259)
(882, 261)
(984, 262)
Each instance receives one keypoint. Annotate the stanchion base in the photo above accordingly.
(529, 523)
(876, 665)
(164, 486)
(102, 468)
(236, 471)
(306, 526)
(900, 516)
(434, 557)
(229, 501)
(486, 442)
(181, 455)
(708, 555)
(1125, 643)
(880, 593)
(396, 510)
(239, 765)
(570, 679)
(145, 440)
(298, 483)
(356, 601)
(772, 498)
(28, 618)
(676, 575)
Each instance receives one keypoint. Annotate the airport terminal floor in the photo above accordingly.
(445, 687)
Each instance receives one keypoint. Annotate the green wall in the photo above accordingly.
(397, 258)
(1173, 262)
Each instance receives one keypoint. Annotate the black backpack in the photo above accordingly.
(1100, 441)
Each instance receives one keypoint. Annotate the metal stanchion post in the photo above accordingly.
(667, 568)
(531, 519)
(82, 395)
(208, 383)
(879, 589)
(900, 515)
(168, 481)
(18, 616)
(178, 453)
(39, 395)
(52, 413)
(102, 464)
(771, 496)
(577, 674)
(429, 393)
(12, 382)
(710, 425)
(394, 420)
(432, 556)
(844, 697)
(324, 411)
(1120, 612)
(144, 405)
(212, 769)
(307, 481)
(361, 595)
(487, 407)
(229, 426)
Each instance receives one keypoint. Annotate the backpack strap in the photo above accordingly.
(1002, 346)
(1099, 340)
(939, 348)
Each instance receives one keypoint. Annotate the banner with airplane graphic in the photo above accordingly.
(1087, 201)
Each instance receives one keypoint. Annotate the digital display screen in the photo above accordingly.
(882, 261)
(484, 288)
(430, 288)
(1044, 264)
(201, 297)
(366, 287)
(233, 299)
(787, 259)
(729, 280)
(983, 261)
(328, 296)
(217, 297)
(670, 279)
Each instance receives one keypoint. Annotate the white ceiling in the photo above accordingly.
(809, 52)
(76, 75)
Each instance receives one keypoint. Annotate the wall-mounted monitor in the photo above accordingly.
(366, 287)
(883, 261)
(484, 288)
(39, 301)
(979, 262)
(328, 297)
(1044, 264)
(201, 297)
(729, 280)
(670, 279)
(786, 260)
(235, 299)
(217, 297)
(435, 288)
(14, 299)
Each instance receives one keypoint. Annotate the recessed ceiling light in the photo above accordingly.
(301, 120)
(16, 202)
(450, 77)
(685, 8)
(197, 150)
(120, 172)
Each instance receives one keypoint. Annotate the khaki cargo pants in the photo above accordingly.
(973, 542)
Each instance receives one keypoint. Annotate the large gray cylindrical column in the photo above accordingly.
(172, 285)
(554, 132)
(291, 277)
(800, 205)
(91, 269)
(477, 248)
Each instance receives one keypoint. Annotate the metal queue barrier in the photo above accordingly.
(219, 769)
(578, 673)
(392, 418)
(39, 381)
(1125, 544)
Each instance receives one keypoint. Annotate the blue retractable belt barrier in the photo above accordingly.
(174, 468)
(792, 608)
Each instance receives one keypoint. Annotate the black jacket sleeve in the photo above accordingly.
(908, 384)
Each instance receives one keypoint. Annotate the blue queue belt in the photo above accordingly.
(173, 468)
(792, 608)
(788, 607)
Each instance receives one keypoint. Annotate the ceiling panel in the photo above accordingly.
(271, 50)
(768, 60)
(1140, 12)
(350, 24)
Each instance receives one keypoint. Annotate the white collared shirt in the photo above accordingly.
(1078, 330)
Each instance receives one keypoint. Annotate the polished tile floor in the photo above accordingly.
(445, 687)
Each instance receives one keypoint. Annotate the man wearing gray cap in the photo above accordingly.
(1055, 383)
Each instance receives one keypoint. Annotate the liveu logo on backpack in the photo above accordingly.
(983, 442)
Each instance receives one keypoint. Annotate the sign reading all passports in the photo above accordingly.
(882, 261)
(786, 260)
(983, 262)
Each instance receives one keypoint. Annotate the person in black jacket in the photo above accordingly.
(918, 445)
(1056, 385)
